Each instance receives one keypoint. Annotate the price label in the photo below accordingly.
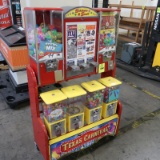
(101, 68)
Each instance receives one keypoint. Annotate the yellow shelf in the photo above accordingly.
(70, 134)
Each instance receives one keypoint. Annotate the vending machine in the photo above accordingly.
(108, 30)
(44, 32)
(67, 43)
(63, 44)
(80, 41)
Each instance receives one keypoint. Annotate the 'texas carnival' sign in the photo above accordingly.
(84, 139)
(88, 136)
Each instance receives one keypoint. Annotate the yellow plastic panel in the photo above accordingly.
(55, 129)
(156, 60)
(110, 81)
(93, 86)
(109, 109)
(73, 91)
(93, 115)
(71, 121)
(53, 96)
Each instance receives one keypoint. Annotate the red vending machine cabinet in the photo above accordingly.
(88, 39)
(44, 30)
(108, 29)
(80, 39)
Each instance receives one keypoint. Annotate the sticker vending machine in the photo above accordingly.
(108, 30)
(80, 41)
(44, 30)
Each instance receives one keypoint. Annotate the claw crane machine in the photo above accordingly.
(64, 44)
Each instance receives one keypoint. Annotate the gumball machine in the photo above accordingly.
(75, 110)
(108, 31)
(94, 100)
(111, 95)
(44, 31)
(54, 109)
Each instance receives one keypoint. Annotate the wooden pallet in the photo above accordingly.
(131, 23)
(3, 67)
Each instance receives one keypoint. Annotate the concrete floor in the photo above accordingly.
(139, 97)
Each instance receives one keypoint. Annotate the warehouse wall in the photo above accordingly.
(60, 3)
(54, 3)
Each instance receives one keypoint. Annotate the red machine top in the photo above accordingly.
(42, 9)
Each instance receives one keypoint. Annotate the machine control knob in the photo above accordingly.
(51, 65)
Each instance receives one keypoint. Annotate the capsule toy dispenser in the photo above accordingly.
(54, 109)
(44, 34)
(111, 95)
(94, 101)
(75, 110)
(108, 29)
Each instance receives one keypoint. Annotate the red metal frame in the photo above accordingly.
(42, 9)
(39, 129)
(111, 73)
